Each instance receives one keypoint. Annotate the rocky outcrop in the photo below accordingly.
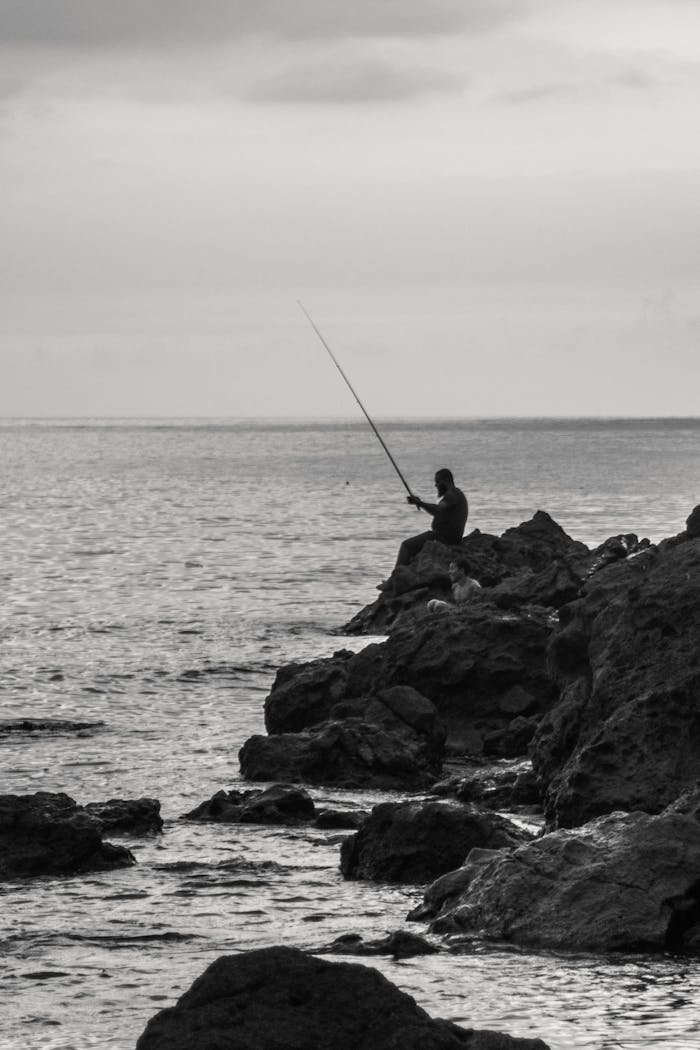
(351, 754)
(622, 882)
(534, 563)
(281, 998)
(49, 834)
(127, 816)
(417, 841)
(510, 786)
(481, 667)
(626, 732)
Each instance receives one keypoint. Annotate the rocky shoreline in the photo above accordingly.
(548, 731)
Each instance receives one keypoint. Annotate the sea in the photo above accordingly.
(155, 575)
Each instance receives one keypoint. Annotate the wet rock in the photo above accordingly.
(280, 804)
(624, 734)
(49, 834)
(340, 818)
(123, 816)
(303, 694)
(417, 841)
(511, 786)
(401, 944)
(512, 741)
(627, 881)
(47, 726)
(283, 999)
(349, 753)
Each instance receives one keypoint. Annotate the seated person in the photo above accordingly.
(464, 588)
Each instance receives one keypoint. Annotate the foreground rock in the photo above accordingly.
(627, 660)
(49, 834)
(417, 841)
(621, 882)
(283, 999)
(128, 816)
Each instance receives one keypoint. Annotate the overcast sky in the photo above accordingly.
(490, 207)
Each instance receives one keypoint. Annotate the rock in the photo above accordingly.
(350, 754)
(476, 666)
(692, 524)
(400, 944)
(512, 741)
(417, 841)
(627, 881)
(511, 786)
(120, 816)
(49, 834)
(283, 999)
(303, 694)
(627, 661)
(49, 726)
(335, 818)
(279, 804)
(534, 563)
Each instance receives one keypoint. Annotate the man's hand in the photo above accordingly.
(415, 500)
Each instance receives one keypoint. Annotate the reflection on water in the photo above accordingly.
(154, 580)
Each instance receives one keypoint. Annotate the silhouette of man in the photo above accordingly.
(449, 516)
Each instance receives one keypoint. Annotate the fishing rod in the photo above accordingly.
(352, 391)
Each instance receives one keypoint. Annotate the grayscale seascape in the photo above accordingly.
(155, 575)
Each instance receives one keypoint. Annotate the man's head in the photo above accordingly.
(443, 480)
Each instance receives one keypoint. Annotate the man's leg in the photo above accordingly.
(411, 547)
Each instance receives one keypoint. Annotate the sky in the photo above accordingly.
(488, 207)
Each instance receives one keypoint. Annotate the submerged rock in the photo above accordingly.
(47, 726)
(283, 999)
(401, 944)
(627, 881)
(279, 804)
(50, 834)
(417, 841)
(624, 734)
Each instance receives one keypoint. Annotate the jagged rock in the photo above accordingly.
(624, 734)
(547, 567)
(127, 816)
(627, 881)
(401, 944)
(349, 754)
(50, 834)
(692, 524)
(478, 666)
(512, 741)
(279, 804)
(417, 841)
(283, 999)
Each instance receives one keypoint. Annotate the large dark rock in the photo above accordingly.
(622, 882)
(283, 999)
(280, 804)
(351, 753)
(417, 841)
(626, 732)
(128, 816)
(480, 666)
(49, 834)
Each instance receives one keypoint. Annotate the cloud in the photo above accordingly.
(537, 93)
(124, 23)
(363, 80)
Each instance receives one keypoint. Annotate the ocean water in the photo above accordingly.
(155, 574)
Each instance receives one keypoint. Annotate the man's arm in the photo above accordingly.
(431, 508)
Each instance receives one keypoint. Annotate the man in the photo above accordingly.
(449, 516)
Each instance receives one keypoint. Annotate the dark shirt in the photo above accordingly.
(453, 511)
